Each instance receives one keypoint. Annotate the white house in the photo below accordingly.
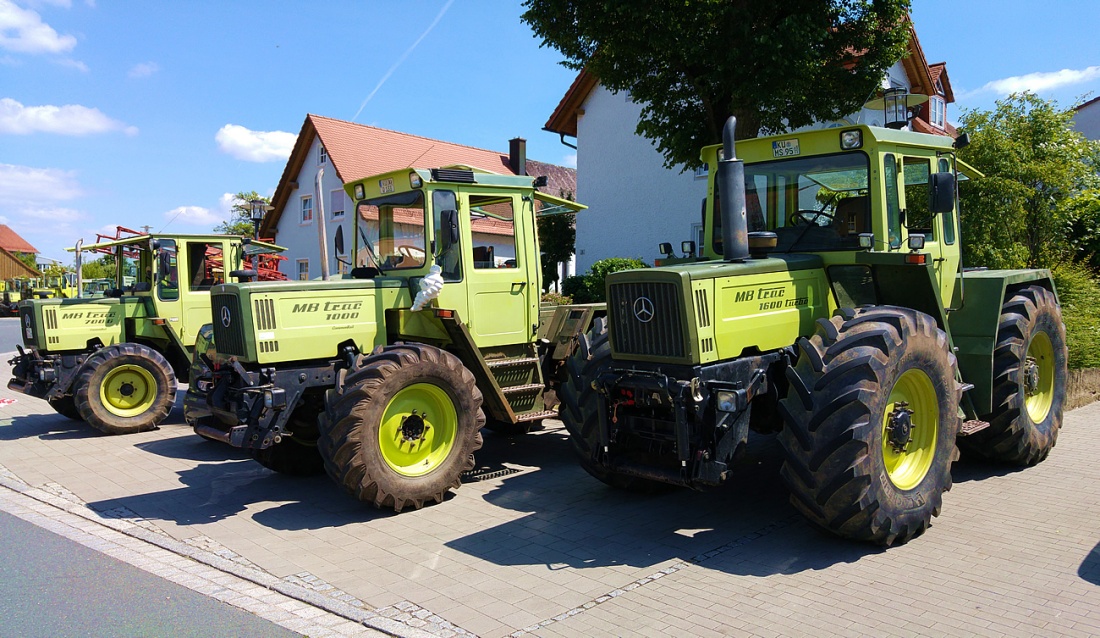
(622, 179)
(1087, 119)
(346, 152)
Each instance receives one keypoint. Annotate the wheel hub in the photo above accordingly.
(1031, 376)
(126, 389)
(413, 427)
(899, 429)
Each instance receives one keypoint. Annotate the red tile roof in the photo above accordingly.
(357, 151)
(939, 74)
(12, 242)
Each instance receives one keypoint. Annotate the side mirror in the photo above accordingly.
(665, 249)
(962, 141)
(688, 248)
(338, 242)
(449, 224)
(941, 193)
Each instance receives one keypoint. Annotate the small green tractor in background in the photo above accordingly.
(830, 308)
(433, 331)
(113, 360)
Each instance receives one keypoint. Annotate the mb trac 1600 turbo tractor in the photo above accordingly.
(112, 359)
(830, 309)
(433, 330)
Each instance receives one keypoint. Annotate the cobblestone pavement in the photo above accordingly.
(531, 545)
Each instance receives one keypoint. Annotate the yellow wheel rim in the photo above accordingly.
(418, 429)
(128, 390)
(908, 454)
(1039, 377)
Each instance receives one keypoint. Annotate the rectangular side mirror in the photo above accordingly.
(449, 223)
(941, 193)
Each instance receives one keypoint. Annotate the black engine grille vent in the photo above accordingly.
(647, 319)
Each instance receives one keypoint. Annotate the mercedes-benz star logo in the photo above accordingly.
(643, 309)
(226, 317)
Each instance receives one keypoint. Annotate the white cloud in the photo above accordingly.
(22, 31)
(73, 64)
(71, 119)
(255, 146)
(1039, 82)
(53, 214)
(143, 70)
(569, 160)
(27, 184)
(37, 4)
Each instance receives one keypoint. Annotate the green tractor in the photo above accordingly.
(432, 332)
(11, 293)
(830, 308)
(113, 360)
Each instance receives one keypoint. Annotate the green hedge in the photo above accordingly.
(589, 288)
(1079, 293)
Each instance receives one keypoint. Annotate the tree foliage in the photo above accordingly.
(1038, 204)
(557, 238)
(240, 222)
(102, 268)
(30, 260)
(692, 63)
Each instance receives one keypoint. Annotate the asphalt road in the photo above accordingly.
(9, 334)
(52, 586)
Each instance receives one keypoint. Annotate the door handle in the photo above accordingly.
(521, 284)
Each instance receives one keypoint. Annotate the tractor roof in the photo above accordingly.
(261, 246)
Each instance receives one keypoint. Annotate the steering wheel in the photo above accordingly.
(809, 217)
(412, 252)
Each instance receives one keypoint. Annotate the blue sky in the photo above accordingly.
(153, 113)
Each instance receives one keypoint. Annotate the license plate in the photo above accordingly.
(785, 148)
(385, 185)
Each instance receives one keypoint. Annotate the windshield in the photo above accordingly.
(391, 232)
(811, 203)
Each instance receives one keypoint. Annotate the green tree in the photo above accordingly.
(692, 63)
(557, 241)
(1036, 207)
(102, 268)
(240, 222)
(30, 260)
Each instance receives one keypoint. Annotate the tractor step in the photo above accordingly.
(970, 427)
(522, 389)
(537, 416)
(507, 363)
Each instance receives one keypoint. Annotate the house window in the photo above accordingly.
(938, 111)
(322, 155)
(701, 172)
(303, 269)
(336, 203)
(307, 209)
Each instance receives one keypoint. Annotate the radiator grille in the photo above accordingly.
(228, 339)
(265, 314)
(662, 335)
(701, 308)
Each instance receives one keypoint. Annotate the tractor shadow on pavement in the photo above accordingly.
(50, 427)
(214, 491)
(574, 521)
(1090, 567)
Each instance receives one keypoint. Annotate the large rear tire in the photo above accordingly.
(1029, 381)
(125, 388)
(66, 407)
(871, 418)
(296, 454)
(580, 410)
(400, 430)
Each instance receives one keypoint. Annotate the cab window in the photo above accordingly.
(168, 286)
(206, 265)
(392, 232)
(893, 201)
(493, 231)
(949, 216)
(918, 216)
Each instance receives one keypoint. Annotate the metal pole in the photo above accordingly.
(322, 234)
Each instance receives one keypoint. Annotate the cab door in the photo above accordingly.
(502, 271)
(920, 220)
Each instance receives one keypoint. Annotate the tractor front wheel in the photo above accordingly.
(1029, 381)
(66, 407)
(125, 388)
(400, 430)
(871, 417)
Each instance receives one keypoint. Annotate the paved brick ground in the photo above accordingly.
(541, 548)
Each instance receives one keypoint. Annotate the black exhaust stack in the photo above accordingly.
(731, 189)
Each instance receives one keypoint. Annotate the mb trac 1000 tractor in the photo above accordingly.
(830, 308)
(113, 360)
(433, 329)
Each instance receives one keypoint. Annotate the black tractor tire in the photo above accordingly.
(140, 389)
(351, 428)
(66, 407)
(504, 428)
(580, 410)
(835, 442)
(1014, 434)
(297, 454)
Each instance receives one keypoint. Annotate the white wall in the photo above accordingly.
(300, 239)
(634, 203)
(1087, 121)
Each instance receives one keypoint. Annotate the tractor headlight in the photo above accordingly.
(916, 242)
(851, 139)
(360, 192)
(414, 180)
(726, 400)
(47, 375)
(275, 398)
